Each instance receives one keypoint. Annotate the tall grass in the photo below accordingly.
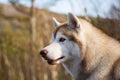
(15, 46)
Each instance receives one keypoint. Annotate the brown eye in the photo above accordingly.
(62, 39)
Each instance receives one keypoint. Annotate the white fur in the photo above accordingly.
(55, 22)
(69, 49)
(58, 49)
(100, 54)
(73, 67)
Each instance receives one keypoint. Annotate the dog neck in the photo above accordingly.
(72, 67)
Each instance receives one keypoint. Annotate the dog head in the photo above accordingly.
(65, 41)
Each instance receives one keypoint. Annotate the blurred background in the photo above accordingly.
(26, 27)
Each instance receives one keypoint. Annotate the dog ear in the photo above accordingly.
(73, 20)
(55, 22)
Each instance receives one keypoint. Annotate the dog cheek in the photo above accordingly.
(69, 46)
(55, 51)
(65, 52)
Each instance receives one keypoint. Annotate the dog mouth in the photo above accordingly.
(53, 61)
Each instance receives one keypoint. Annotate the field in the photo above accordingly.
(17, 62)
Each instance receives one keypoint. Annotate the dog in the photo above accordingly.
(85, 52)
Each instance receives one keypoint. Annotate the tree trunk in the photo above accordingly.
(33, 36)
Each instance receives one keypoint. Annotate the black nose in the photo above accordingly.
(43, 52)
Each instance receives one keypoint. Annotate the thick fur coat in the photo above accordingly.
(86, 52)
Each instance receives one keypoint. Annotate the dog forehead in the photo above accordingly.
(60, 29)
(65, 30)
(59, 35)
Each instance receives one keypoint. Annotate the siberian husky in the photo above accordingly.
(84, 51)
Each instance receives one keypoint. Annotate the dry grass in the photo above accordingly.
(15, 45)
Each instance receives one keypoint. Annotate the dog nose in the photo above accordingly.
(43, 52)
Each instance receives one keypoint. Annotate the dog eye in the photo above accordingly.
(62, 39)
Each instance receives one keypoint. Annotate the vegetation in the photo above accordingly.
(15, 37)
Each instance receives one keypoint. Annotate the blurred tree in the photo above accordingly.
(1, 9)
(115, 10)
(31, 13)
(49, 3)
